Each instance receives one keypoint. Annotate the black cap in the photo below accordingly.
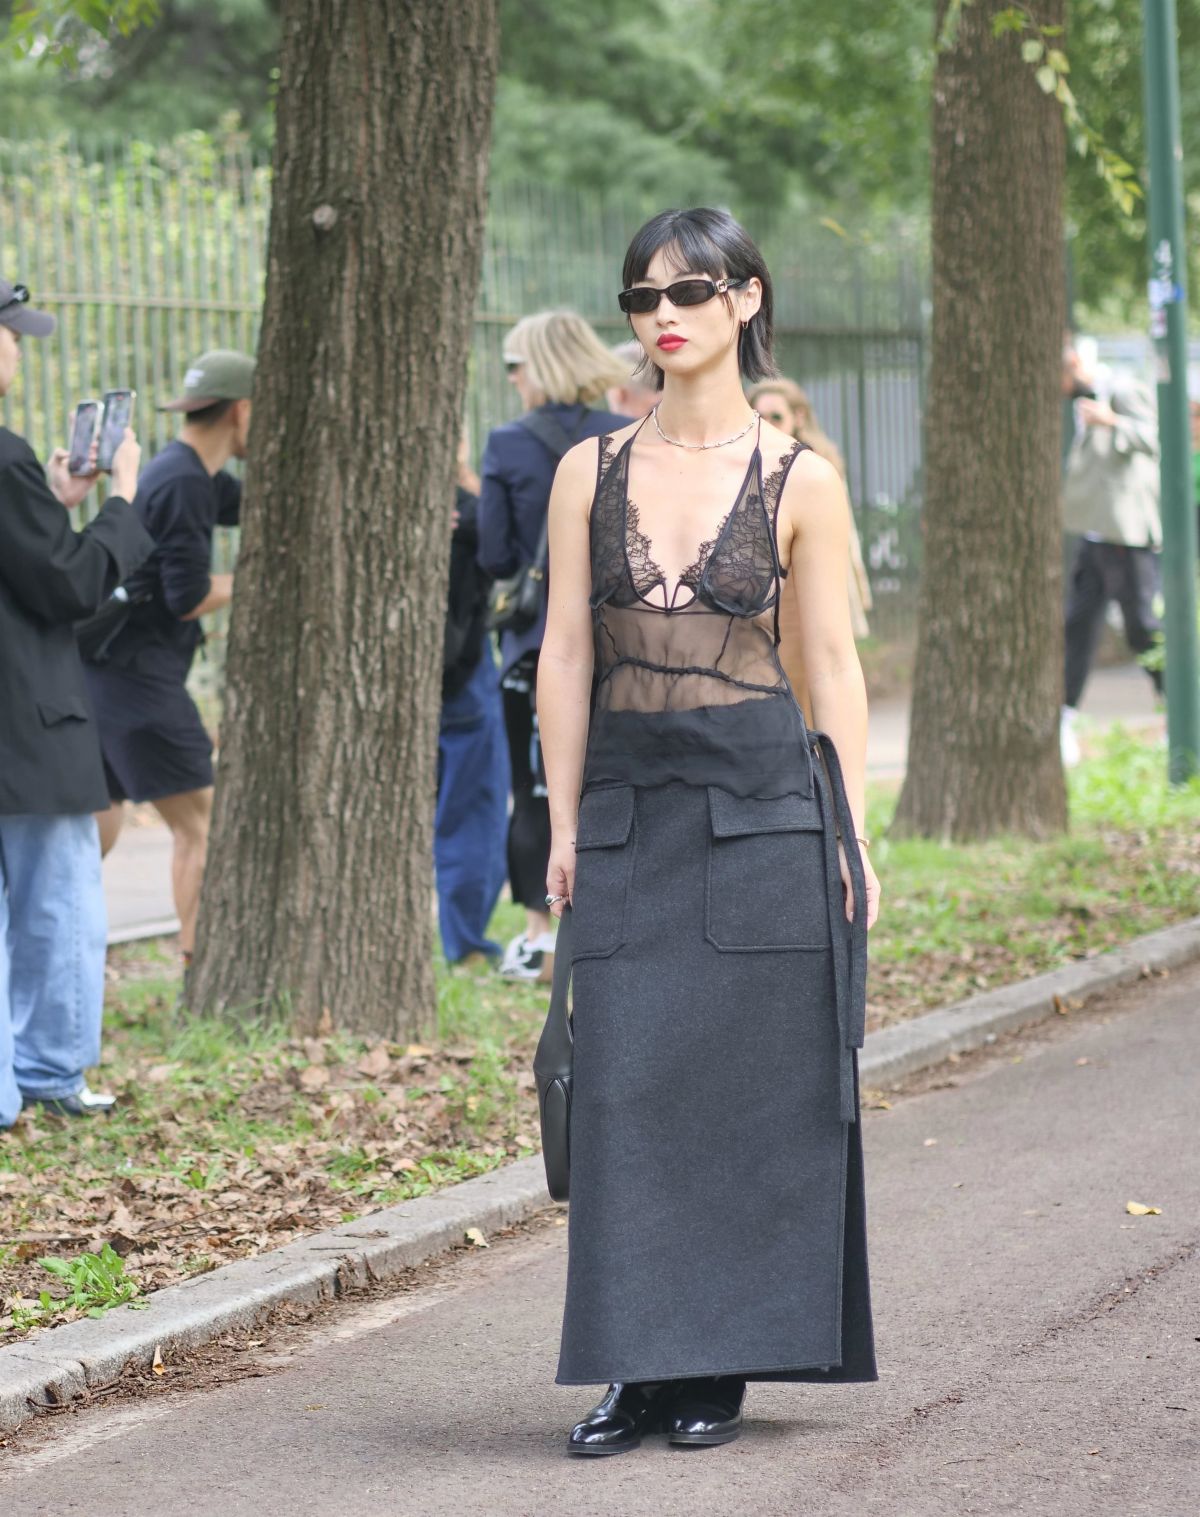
(17, 314)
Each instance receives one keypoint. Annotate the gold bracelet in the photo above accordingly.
(866, 842)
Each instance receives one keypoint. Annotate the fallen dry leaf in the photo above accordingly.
(156, 1363)
(121, 1220)
(315, 1077)
(375, 1062)
(1136, 1209)
(476, 1237)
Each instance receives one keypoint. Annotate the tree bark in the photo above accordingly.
(983, 753)
(317, 895)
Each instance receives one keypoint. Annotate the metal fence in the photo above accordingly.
(149, 255)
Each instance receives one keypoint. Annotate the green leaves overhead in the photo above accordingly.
(784, 103)
(63, 29)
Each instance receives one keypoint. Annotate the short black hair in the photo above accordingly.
(712, 242)
(209, 416)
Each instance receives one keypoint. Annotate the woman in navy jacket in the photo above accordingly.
(560, 368)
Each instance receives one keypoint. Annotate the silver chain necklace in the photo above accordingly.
(696, 447)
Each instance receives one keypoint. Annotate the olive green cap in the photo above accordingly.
(216, 376)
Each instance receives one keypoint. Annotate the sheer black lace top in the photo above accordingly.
(689, 686)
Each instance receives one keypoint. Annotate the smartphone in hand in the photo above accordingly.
(83, 434)
(118, 413)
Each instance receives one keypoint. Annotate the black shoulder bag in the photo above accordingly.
(96, 634)
(553, 1069)
(516, 602)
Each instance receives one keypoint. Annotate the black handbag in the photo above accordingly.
(516, 602)
(554, 1070)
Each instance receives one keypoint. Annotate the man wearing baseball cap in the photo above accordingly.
(156, 747)
(52, 919)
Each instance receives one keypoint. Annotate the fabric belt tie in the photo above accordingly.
(850, 947)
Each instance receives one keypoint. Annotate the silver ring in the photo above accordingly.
(553, 900)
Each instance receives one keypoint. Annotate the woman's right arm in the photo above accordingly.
(565, 665)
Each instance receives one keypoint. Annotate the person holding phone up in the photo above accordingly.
(155, 745)
(52, 918)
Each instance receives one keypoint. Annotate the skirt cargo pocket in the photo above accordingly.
(766, 889)
(604, 848)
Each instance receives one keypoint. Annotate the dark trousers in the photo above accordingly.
(1105, 572)
(471, 820)
(529, 825)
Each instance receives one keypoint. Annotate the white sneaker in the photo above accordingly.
(1068, 743)
(529, 958)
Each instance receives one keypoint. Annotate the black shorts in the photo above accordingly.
(151, 736)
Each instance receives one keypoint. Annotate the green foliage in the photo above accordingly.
(66, 31)
(785, 104)
(129, 71)
(1125, 786)
(969, 916)
(1110, 259)
(94, 1284)
(1051, 67)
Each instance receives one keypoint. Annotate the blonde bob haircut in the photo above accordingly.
(563, 357)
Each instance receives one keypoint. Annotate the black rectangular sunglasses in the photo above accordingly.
(644, 298)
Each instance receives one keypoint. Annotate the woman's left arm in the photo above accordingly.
(817, 633)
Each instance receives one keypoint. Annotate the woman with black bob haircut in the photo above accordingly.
(698, 239)
(711, 850)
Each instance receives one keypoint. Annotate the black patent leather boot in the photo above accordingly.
(706, 1412)
(618, 1423)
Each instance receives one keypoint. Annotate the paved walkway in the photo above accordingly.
(1122, 693)
(1037, 1344)
(137, 874)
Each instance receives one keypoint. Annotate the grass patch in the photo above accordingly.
(234, 1138)
(231, 1138)
(965, 918)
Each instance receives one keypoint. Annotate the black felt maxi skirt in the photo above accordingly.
(717, 1220)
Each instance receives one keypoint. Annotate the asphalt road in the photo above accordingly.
(1039, 1347)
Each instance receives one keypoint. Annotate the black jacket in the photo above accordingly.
(51, 577)
(467, 609)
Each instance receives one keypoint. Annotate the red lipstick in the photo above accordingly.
(669, 341)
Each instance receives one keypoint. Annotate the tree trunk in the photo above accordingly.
(983, 754)
(318, 891)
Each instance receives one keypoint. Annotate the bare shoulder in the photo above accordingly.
(578, 469)
(578, 464)
(774, 444)
(814, 497)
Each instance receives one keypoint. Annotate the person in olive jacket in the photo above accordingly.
(52, 919)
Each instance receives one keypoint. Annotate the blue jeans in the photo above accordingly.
(53, 929)
(471, 821)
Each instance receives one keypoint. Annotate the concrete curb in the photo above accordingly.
(66, 1362)
(927, 1040)
(59, 1364)
(167, 928)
